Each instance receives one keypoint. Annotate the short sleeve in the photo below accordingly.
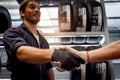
(49, 65)
(12, 40)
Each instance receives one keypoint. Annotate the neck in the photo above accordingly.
(31, 27)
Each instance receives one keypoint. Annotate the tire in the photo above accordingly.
(80, 13)
(65, 17)
(0, 64)
(5, 19)
(5, 23)
(93, 71)
(102, 70)
(99, 71)
(95, 16)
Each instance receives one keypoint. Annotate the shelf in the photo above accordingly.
(75, 40)
(1, 35)
(117, 61)
(73, 33)
(1, 47)
(79, 47)
(55, 44)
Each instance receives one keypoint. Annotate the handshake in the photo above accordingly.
(67, 58)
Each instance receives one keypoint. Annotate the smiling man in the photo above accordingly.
(29, 56)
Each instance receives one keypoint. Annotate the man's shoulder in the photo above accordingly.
(12, 29)
(15, 28)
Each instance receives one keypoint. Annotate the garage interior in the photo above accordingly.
(9, 17)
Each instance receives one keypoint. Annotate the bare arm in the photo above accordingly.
(108, 52)
(51, 74)
(34, 55)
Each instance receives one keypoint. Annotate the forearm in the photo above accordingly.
(51, 74)
(34, 55)
(108, 52)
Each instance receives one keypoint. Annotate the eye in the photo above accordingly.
(38, 7)
(32, 6)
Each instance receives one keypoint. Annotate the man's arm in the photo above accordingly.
(36, 55)
(51, 74)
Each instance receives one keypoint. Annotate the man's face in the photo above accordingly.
(32, 12)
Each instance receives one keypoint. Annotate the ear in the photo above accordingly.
(22, 14)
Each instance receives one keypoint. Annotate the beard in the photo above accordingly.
(33, 19)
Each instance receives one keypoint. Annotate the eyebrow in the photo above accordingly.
(31, 4)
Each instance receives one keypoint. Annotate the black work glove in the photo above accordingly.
(67, 59)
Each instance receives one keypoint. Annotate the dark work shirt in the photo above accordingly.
(16, 37)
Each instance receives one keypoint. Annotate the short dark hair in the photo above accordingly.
(23, 5)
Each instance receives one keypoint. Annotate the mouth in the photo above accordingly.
(38, 15)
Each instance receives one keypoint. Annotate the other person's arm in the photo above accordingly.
(108, 52)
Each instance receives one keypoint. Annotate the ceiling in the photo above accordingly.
(12, 4)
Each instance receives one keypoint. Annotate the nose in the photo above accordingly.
(37, 9)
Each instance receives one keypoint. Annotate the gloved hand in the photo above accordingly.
(67, 59)
(82, 54)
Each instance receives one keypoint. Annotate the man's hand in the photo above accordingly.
(58, 66)
(82, 54)
(67, 59)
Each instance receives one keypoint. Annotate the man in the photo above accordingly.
(28, 55)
